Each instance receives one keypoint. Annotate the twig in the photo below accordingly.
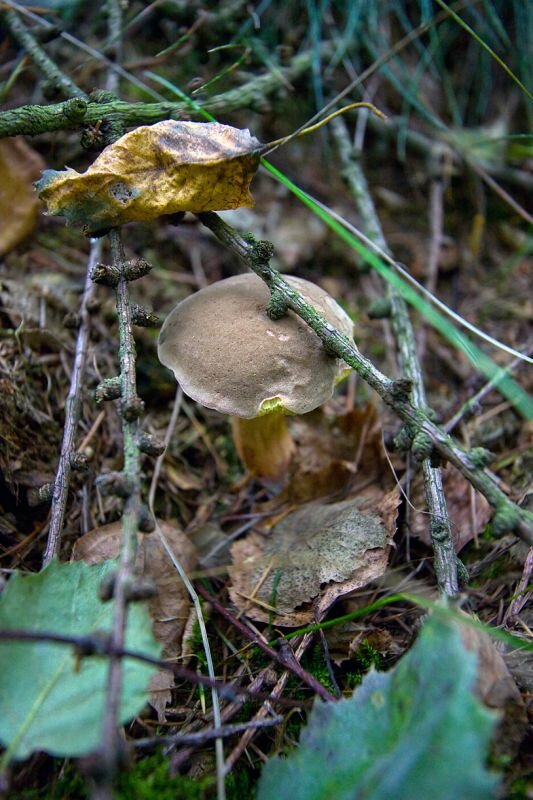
(471, 405)
(436, 221)
(266, 710)
(207, 735)
(39, 57)
(294, 666)
(100, 644)
(35, 119)
(219, 745)
(72, 413)
(440, 527)
(396, 394)
(523, 592)
(131, 407)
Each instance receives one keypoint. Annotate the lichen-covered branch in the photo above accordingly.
(439, 521)
(35, 119)
(396, 394)
(131, 408)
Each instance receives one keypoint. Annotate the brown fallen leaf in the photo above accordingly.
(313, 556)
(20, 166)
(156, 170)
(170, 608)
(334, 454)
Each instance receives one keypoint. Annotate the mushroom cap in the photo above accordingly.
(227, 354)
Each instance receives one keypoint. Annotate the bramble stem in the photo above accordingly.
(396, 394)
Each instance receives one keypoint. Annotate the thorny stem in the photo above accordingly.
(256, 255)
(39, 57)
(72, 414)
(130, 408)
(440, 527)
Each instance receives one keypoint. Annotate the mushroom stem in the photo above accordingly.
(263, 444)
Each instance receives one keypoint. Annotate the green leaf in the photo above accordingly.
(49, 700)
(414, 732)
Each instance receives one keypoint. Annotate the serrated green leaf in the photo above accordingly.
(414, 732)
(48, 700)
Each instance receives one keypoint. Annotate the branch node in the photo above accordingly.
(421, 446)
(146, 521)
(79, 462)
(133, 270)
(75, 109)
(144, 318)
(149, 445)
(43, 494)
(115, 483)
(108, 389)
(105, 275)
(404, 438)
(480, 457)
(277, 306)
(132, 409)
(401, 390)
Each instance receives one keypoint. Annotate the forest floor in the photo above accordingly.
(451, 201)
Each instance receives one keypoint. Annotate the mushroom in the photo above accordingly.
(227, 354)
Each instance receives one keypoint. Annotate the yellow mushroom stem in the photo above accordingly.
(264, 444)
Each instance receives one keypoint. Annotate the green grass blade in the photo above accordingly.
(486, 47)
(509, 388)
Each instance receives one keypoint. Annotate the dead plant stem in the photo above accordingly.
(72, 413)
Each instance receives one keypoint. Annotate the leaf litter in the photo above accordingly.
(320, 551)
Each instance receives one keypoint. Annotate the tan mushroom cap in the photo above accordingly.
(228, 355)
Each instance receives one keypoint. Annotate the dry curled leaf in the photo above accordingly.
(334, 454)
(169, 609)
(313, 556)
(166, 168)
(20, 166)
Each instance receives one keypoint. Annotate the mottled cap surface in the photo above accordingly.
(228, 355)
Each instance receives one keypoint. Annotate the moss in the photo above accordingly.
(366, 657)
(240, 785)
(149, 779)
(146, 779)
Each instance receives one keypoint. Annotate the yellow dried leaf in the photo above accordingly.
(20, 166)
(154, 170)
